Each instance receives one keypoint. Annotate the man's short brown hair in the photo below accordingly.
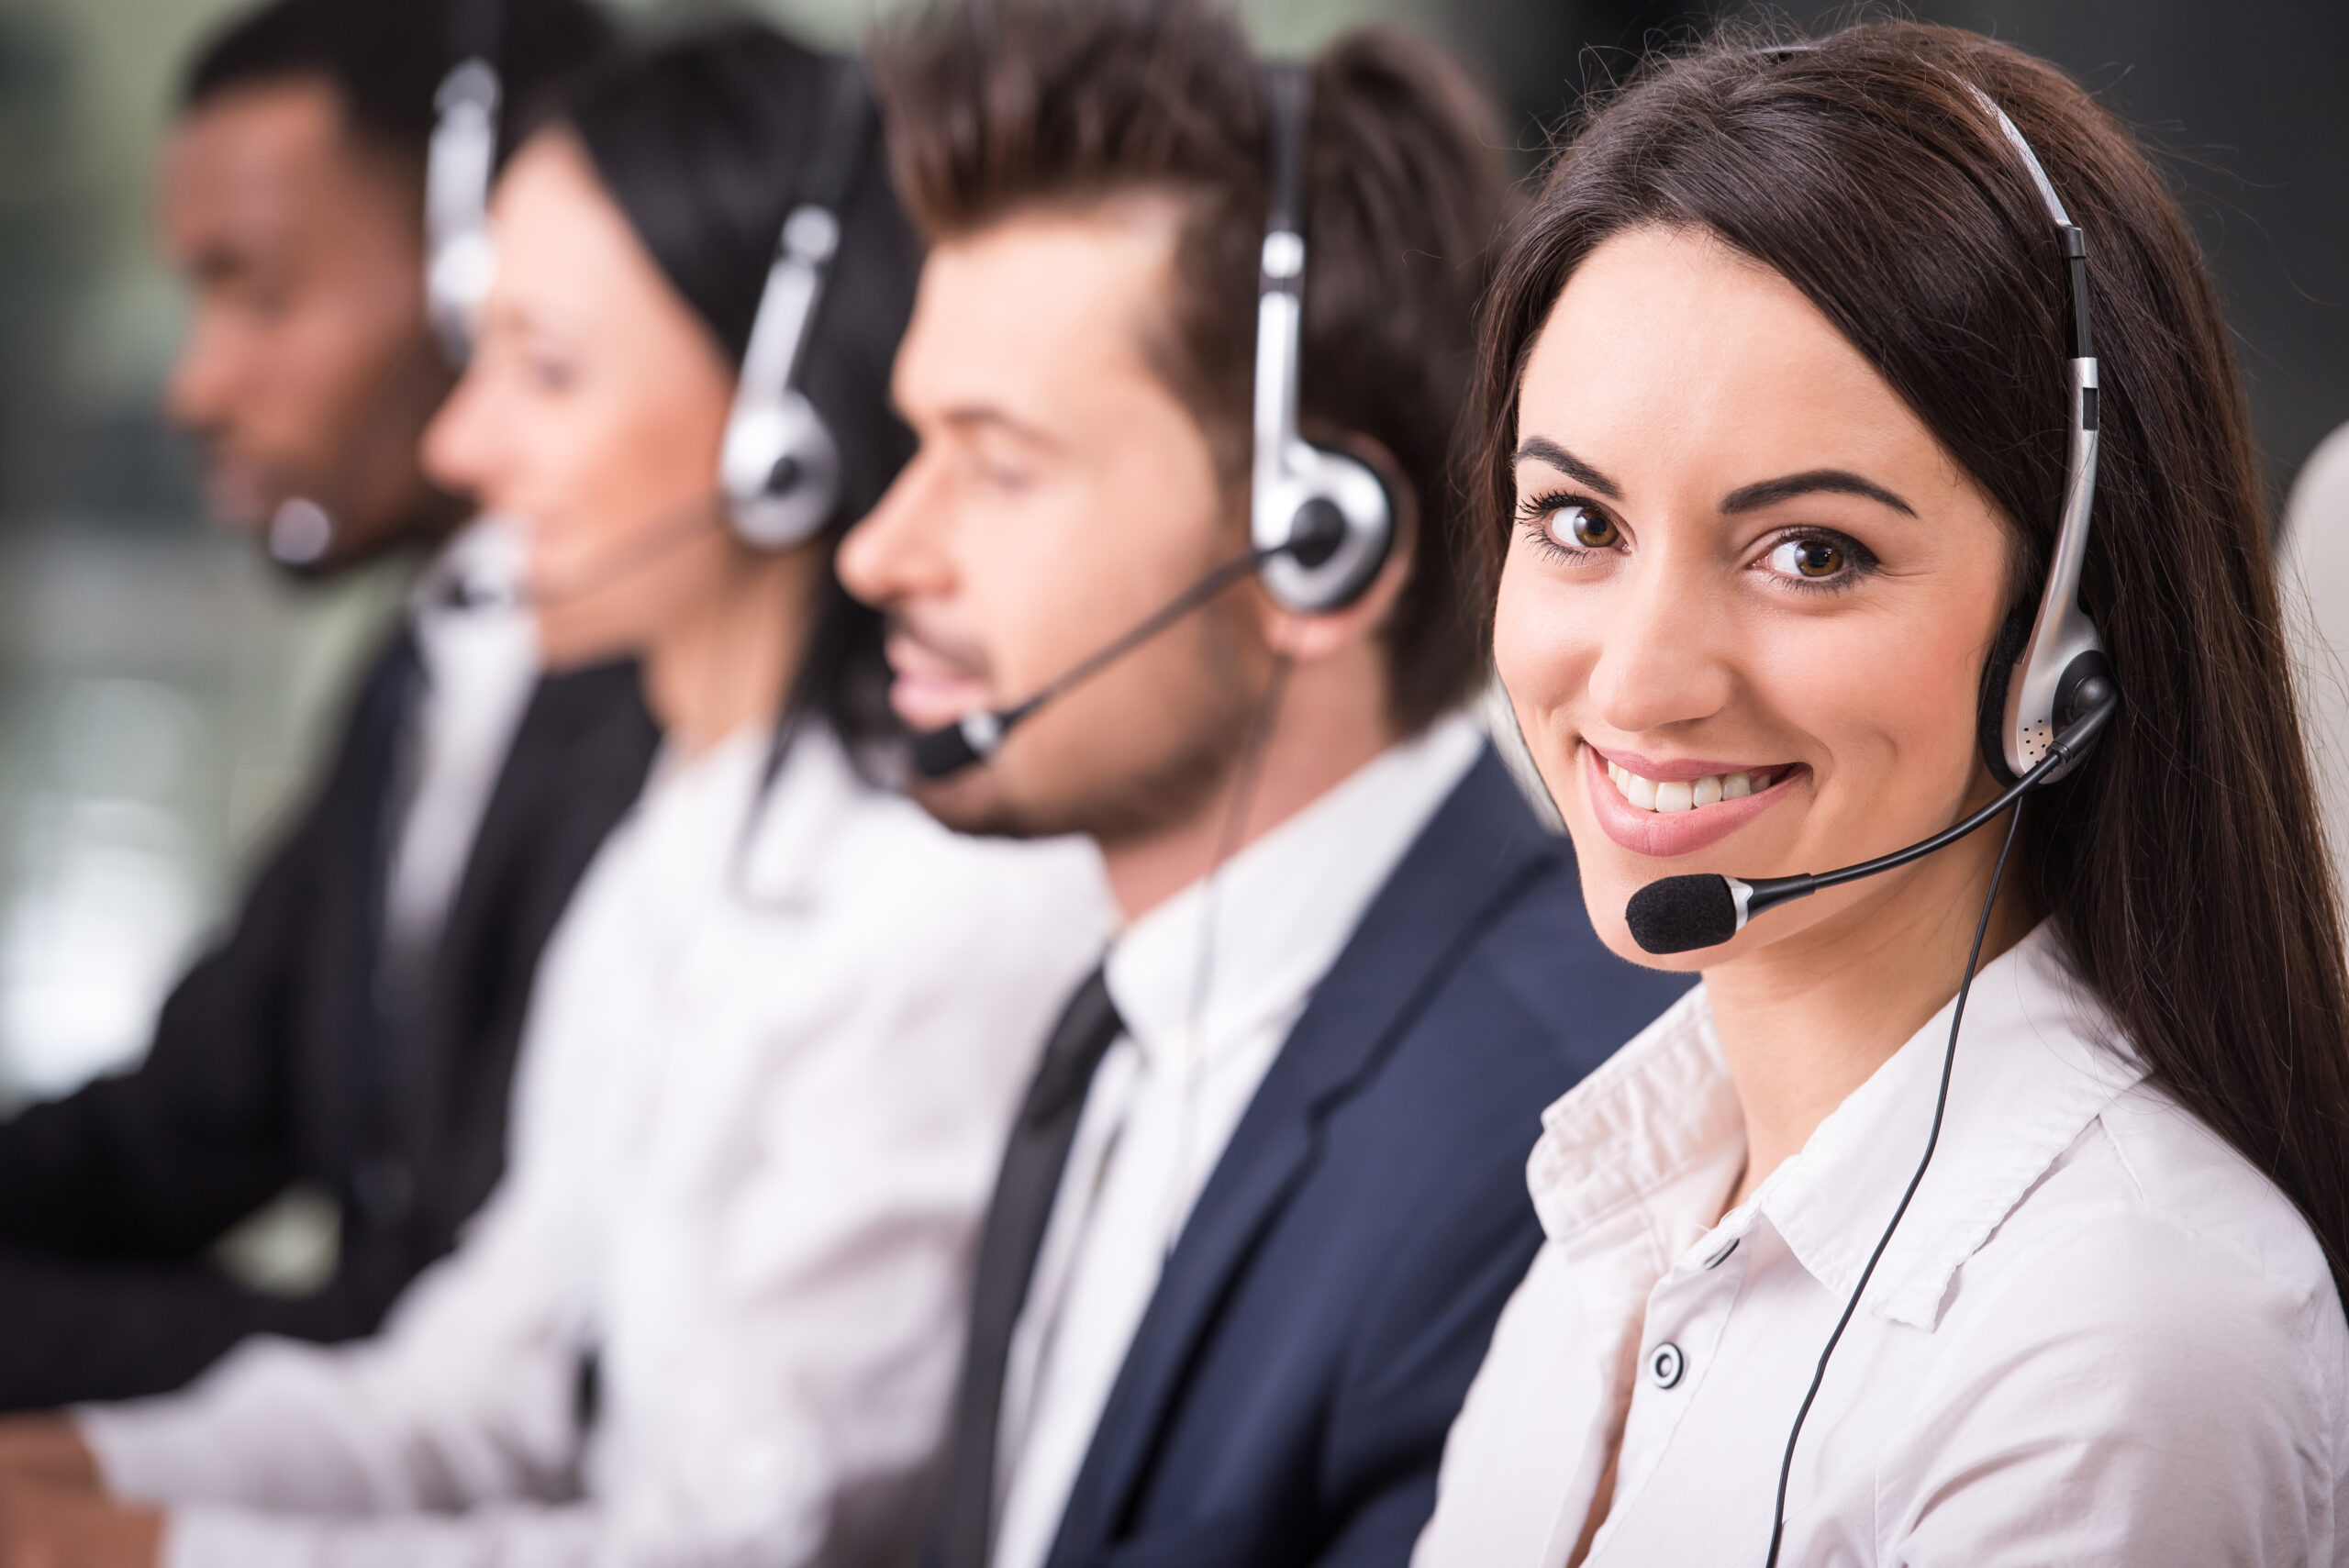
(996, 106)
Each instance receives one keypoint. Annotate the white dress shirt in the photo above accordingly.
(1208, 984)
(2100, 1335)
(758, 1114)
(480, 662)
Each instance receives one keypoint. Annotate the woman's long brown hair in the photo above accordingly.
(2183, 864)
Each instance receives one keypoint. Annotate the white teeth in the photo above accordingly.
(1673, 795)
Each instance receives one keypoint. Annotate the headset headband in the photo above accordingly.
(459, 166)
(780, 465)
(1320, 520)
(2064, 650)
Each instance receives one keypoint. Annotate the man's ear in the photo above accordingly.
(1307, 637)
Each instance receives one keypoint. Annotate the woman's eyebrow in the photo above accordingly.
(1814, 482)
(1565, 463)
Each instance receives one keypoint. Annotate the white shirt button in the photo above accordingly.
(1665, 1364)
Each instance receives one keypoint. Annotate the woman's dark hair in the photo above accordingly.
(2182, 866)
(706, 144)
(1001, 106)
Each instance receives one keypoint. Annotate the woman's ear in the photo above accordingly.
(1307, 637)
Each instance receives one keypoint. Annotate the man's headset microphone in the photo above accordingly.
(2042, 710)
(1320, 522)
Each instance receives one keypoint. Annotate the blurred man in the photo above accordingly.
(353, 1036)
(1266, 1195)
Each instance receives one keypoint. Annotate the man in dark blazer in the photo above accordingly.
(341, 1041)
(1266, 1198)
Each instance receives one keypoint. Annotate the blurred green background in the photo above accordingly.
(162, 693)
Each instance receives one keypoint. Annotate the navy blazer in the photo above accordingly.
(1286, 1397)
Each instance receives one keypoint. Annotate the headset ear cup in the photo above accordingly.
(1326, 578)
(1990, 715)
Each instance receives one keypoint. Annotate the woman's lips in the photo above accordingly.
(1668, 834)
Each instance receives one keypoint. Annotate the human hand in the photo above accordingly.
(47, 1449)
(54, 1527)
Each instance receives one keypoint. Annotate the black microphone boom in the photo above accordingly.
(948, 750)
(1683, 913)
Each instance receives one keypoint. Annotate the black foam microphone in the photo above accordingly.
(1682, 914)
(942, 753)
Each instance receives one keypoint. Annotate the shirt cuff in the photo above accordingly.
(233, 1537)
(155, 1450)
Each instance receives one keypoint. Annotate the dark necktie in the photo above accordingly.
(962, 1530)
(384, 756)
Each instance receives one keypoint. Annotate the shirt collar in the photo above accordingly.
(468, 613)
(1281, 910)
(1633, 1151)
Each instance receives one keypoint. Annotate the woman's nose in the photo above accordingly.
(455, 449)
(1660, 660)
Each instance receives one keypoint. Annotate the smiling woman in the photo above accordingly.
(1774, 424)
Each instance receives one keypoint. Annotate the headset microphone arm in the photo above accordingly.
(1682, 914)
(944, 752)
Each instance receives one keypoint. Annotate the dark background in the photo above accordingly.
(2246, 102)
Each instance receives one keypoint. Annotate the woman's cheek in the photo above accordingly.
(1541, 653)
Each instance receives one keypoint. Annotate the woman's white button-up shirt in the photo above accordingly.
(760, 1102)
(2099, 1336)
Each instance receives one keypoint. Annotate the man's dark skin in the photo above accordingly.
(308, 370)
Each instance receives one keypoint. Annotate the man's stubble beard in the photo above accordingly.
(1221, 709)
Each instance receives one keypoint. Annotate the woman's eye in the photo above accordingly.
(1818, 558)
(1584, 529)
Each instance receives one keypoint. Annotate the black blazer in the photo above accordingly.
(274, 1061)
(1287, 1395)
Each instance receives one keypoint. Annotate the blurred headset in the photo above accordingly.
(1320, 523)
(460, 160)
(780, 466)
(459, 167)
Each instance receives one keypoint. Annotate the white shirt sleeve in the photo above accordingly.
(467, 1396)
(749, 1178)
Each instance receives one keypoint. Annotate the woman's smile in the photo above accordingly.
(1668, 808)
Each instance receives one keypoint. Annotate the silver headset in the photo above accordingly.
(2064, 650)
(459, 166)
(1320, 520)
(780, 467)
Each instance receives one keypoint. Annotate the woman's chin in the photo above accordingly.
(568, 644)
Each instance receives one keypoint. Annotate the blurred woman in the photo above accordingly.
(709, 1316)
(1783, 379)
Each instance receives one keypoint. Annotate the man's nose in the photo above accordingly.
(896, 552)
(199, 393)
